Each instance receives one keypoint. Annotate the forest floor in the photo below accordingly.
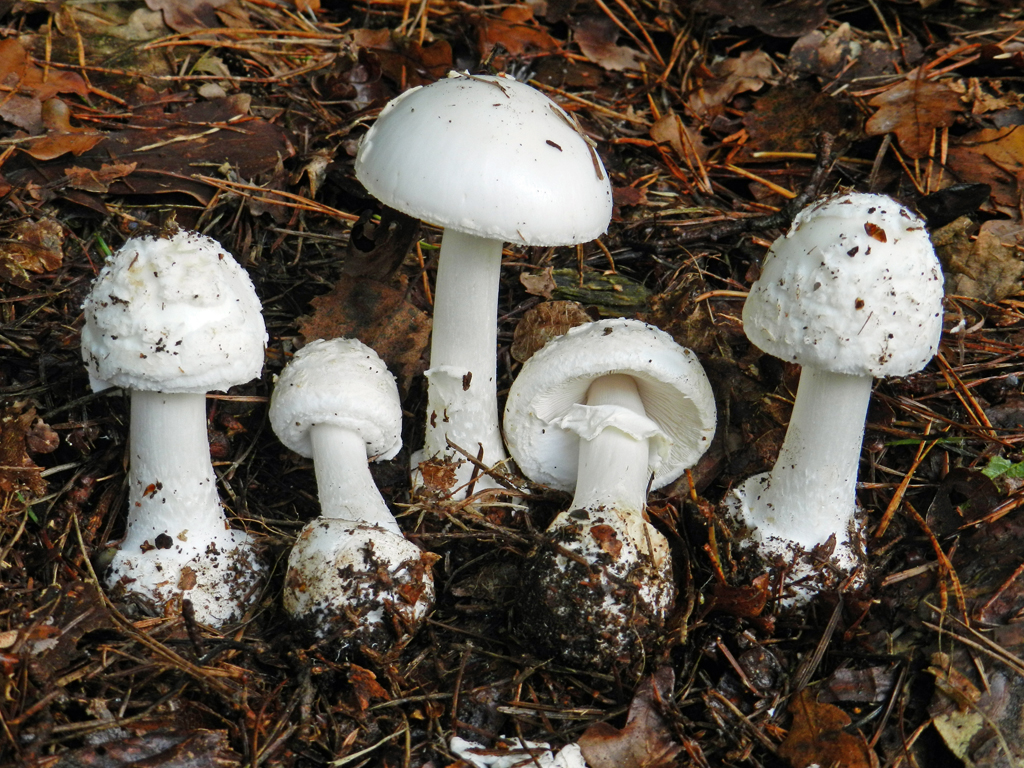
(716, 121)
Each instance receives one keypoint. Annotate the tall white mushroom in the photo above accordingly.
(168, 319)
(492, 161)
(352, 575)
(851, 292)
(608, 410)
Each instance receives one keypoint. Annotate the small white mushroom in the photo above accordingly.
(351, 574)
(492, 161)
(851, 292)
(608, 410)
(168, 319)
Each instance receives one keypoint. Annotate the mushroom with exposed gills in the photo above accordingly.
(492, 161)
(853, 291)
(608, 411)
(168, 319)
(352, 575)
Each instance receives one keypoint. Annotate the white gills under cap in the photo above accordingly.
(488, 156)
(172, 314)
(342, 383)
(542, 417)
(854, 287)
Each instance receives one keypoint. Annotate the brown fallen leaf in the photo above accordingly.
(379, 316)
(912, 109)
(18, 473)
(790, 117)
(173, 748)
(543, 323)
(845, 55)
(984, 266)
(17, 72)
(746, 601)
(32, 245)
(735, 75)
(61, 137)
(515, 30)
(993, 156)
(597, 37)
(818, 736)
(98, 181)
(685, 142)
(365, 686)
(645, 741)
(788, 19)
(188, 15)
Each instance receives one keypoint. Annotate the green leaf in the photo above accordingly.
(1001, 467)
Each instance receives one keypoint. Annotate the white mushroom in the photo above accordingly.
(608, 410)
(168, 319)
(351, 574)
(851, 292)
(491, 160)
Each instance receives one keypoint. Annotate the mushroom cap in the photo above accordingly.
(341, 382)
(487, 156)
(854, 287)
(674, 389)
(172, 314)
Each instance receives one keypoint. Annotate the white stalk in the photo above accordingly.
(344, 483)
(811, 493)
(613, 466)
(173, 489)
(462, 401)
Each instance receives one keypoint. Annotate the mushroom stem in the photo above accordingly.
(344, 483)
(172, 488)
(613, 465)
(811, 493)
(462, 401)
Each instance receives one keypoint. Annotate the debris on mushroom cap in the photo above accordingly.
(675, 391)
(491, 157)
(341, 382)
(359, 584)
(854, 287)
(174, 314)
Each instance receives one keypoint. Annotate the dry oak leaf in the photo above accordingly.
(645, 741)
(365, 685)
(514, 30)
(818, 736)
(188, 15)
(18, 473)
(597, 36)
(913, 109)
(98, 181)
(738, 74)
(32, 245)
(379, 316)
(993, 156)
(61, 137)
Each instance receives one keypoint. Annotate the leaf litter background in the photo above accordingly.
(716, 120)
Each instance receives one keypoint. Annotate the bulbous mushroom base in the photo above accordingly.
(600, 593)
(219, 576)
(358, 585)
(811, 566)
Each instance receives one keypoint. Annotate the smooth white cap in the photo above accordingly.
(343, 383)
(487, 156)
(543, 423)
(854, 287)
(175, 315)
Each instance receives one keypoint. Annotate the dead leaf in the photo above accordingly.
(913, 109)
(843, 55)
(33, 245)
(790, 117)
(627, 197)
(818, 736)
(606, 539)
(745, 601)
(97, 181)
(365, 686)
(993, 156)
(376, 249)
(788, 19)
(597, 37)
(515, 30)
(645, 741)
(685, 142)
(194, 748)
(541, 284)
(18, 473)
(987, 266)
(543, 323)
(738, 74)
(61, 137)
(18, 73)
(379, 316)
(189, 15)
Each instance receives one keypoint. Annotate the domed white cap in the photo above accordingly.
(854, 287)
(172, 314)
(340, 382)
(487, 156)
(541, 428)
